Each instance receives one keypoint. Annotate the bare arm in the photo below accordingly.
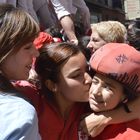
(94, 124)
(64, 15)
(68, 26)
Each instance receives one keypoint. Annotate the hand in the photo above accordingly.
(74, 41)
(94, 124)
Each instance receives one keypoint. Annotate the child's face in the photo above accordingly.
(105, 93)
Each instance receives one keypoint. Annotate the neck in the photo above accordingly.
(64, 106)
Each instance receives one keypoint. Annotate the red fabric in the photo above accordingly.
(51, 125)
(55, 127)
(123, 131)
(42, 39)
(89, 32)
(30, 92)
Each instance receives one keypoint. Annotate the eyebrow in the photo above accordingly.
(110, 84)
(73, 71)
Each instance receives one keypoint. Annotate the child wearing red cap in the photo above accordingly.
(116, 81)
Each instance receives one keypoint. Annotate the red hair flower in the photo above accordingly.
(42, 39)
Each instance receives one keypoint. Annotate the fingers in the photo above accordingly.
(96, 131)
(74, 41)
(93, 124)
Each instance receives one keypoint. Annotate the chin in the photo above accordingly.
(95, 109)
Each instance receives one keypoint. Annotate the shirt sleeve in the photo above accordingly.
(18, 119)
(60, 7)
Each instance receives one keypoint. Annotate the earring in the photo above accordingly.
(54, 89)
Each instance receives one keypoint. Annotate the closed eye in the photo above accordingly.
(95, 81)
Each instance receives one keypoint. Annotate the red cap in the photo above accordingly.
(120, 62)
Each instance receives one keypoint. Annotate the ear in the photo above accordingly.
(51, 85)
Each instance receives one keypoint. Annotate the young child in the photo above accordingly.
(102, 33)
(116, 82)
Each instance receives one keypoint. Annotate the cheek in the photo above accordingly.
(67, 86)
(92, 88)
(112, 101)
(72, 88)
(97, 45)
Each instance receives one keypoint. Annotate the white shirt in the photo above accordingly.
(67, 7)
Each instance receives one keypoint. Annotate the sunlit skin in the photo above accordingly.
(74, 83)
(105, 93)
(95, 42)
(17, 65)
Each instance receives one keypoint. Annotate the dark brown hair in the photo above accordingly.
(51, 59)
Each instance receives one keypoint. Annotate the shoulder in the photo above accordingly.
(28, 90)
(15, 107)
(17, 119)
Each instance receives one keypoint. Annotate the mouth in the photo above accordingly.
(96, 101)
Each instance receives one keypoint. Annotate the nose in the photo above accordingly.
(88, 79)
(89, 46)
(97, 91)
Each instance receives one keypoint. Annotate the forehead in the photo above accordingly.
(94, 33)
(107, 80)
(76, 62)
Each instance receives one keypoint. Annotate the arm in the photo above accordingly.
(63, 12)
(94, 124)
(83, 10)
(68, 26)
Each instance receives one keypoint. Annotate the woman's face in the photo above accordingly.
(105, 93)
(17, 65)
(95, 42)
(74, 81)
